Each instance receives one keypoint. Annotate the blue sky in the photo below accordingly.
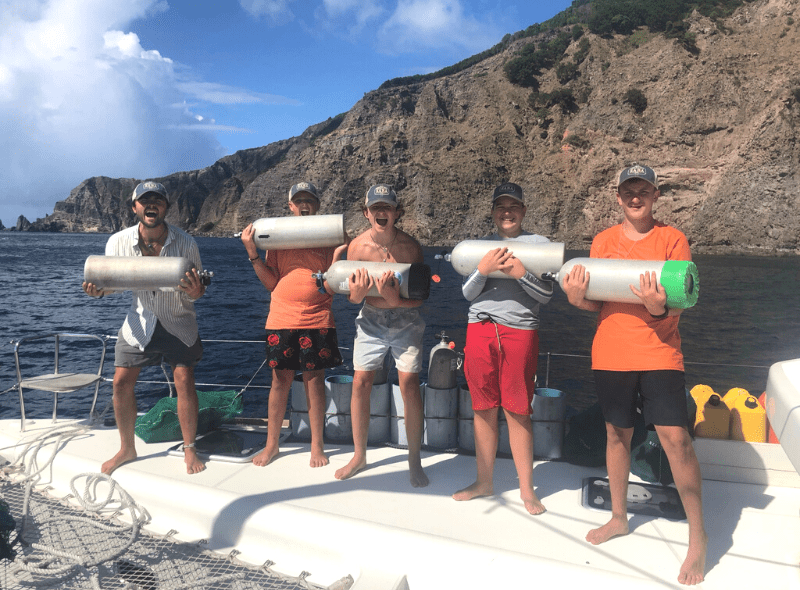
(145, 88)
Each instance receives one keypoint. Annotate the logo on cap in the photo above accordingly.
(637, 170)
(382, 190)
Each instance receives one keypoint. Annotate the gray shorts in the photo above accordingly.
(162, 346)
(379, 331)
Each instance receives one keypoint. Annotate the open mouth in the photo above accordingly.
(382, 222)
(305, 212)
(151, 214)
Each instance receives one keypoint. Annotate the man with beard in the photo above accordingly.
(301, 332)
(386, 324)
(159, 325)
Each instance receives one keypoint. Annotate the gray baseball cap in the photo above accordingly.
(638, 171)
(381, 193)
(148, 187)
(303, 187)
(508, 189)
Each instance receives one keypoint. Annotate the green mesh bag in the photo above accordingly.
(161, 424)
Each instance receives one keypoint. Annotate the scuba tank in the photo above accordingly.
(611, 279)
(414, 279)
(309, 231)
(536, 258)
(443, 365)
(139, 273)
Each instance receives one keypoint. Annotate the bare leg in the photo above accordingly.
(314, 382)
(486, 434)
(188, 408)
(278, 396)
(686, 470)
(520, 434)
(125, 415)
(412, 402)
(618, 463)
(359, 409)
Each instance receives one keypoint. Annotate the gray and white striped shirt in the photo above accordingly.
(174, 309)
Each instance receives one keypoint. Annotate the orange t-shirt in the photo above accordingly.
(628, 338)
(296, 301)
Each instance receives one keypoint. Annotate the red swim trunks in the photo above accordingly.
(500, 366)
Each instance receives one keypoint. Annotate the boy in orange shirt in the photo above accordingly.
(636, 354)
(301, 332)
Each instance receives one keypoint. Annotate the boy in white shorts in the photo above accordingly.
(385, 324)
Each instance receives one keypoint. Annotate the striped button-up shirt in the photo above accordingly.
(174, 309)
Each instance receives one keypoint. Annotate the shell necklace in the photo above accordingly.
(151, 246)
(384, 248)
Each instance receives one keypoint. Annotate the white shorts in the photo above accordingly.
(379, 331)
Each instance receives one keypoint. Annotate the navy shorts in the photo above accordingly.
(163, 346)
(661, 395)
(303, 349)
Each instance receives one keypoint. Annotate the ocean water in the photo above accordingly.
(747, 317)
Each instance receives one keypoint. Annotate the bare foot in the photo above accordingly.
(193, 462)
(417, 476)
(265, 457)
(532, 503)
(476, 490)
(613, 528)
(534, 507)
(318, 458)
(118, 460)
(349, 470)
(694, 566)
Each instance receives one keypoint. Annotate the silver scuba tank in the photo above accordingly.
(536, 258)
(139, 273)
(610, 279)
(414, 279)
(309, 231)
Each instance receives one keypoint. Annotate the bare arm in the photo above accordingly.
(265, 274)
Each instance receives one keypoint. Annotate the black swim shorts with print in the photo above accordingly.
(303, 349)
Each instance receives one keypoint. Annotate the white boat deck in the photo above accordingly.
(388, 535)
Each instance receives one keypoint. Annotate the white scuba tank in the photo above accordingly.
(138, 273)
(414, 279)
(610, 279)
(443, 365)
(308, 231)
(545, 257)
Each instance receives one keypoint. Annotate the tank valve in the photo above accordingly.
(205, 277)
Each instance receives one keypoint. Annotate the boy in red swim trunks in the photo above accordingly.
(502, 348)
(637, 354)
(301, 332)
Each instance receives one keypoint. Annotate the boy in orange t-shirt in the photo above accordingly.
(636, 354)
(301, 333)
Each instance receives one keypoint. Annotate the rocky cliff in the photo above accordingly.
(720, 126)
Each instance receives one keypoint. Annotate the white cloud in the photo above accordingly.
(220, 94)
(350, 15)
(81, 97)
(420, 24)
(277, 12)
